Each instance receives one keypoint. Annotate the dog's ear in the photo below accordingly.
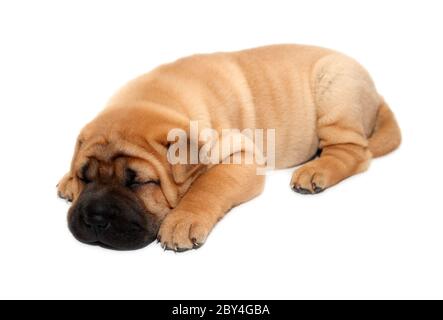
(191, 151)
(182, 139)
(183, 155)
(184, 172)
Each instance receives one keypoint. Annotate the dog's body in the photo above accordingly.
(314, 98)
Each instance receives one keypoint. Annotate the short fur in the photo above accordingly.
(315, 98)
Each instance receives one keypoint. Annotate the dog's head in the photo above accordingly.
(120, 183)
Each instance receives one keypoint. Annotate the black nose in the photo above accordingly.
(97, 215)
(96, 221)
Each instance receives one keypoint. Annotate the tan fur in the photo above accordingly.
(386, 136)
(313, 97)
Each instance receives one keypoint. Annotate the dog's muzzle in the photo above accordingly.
(111, 217)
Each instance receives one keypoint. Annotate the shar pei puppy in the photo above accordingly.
(321, 105)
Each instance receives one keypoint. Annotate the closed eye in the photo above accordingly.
(136, 184)
(133, 181)
(83, 175)
(84, 180)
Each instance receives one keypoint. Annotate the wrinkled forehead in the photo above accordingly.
(106, 158)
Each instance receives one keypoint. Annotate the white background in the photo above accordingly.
(376, 235)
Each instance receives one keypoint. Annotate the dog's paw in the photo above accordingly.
(310, 179)
(65, 189)
(181, 231)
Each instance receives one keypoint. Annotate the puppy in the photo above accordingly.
(125, 191)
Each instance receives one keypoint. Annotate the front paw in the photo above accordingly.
(312, 178)
(65, 188)
(181, 231)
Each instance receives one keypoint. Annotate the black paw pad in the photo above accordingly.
(301, 190)
(317, 189)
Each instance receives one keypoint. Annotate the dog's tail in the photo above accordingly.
(386, 136)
